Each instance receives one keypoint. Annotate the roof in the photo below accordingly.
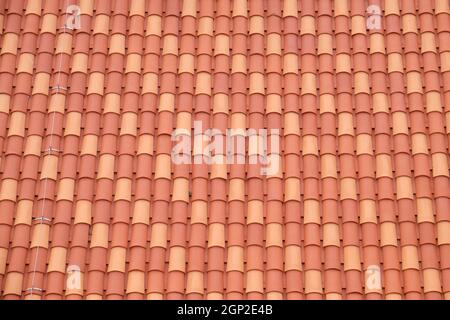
(92, 204)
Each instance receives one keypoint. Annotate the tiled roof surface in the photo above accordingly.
(92, 207)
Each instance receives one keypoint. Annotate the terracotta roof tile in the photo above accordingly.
(94, 207)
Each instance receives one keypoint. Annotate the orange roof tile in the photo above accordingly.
(93, 205)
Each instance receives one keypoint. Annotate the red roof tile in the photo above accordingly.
(93, 207)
